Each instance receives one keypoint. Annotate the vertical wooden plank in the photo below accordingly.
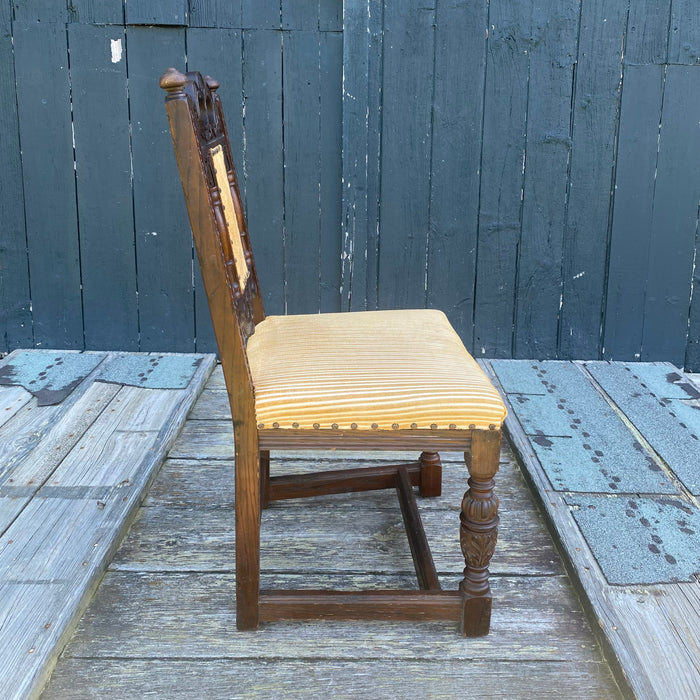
(103, 172)
(406, 133)
(163, 12)
(331, 168)
(674, 220)
(302, 160)
(647, 35)
(631, 225)
(163, 239)
(594, 128)
(301, 15)
(97, 11)
(40, 11)
(692, 351)
(355, 154)
(15, 305)
(539, 288)
(330, 17)
(43, 98)
(215, 13)
(261, 14)
(219, 53)
(505, 118)
(263, 169)
(684, 34)
(460, 61)
(361, 151)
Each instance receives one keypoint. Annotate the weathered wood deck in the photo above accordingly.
(163, 621)
(82, 436)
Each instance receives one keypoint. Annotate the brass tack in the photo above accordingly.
(317, 426)
(295, 425)
(472, 426)
(261, 426)
(353, 426)
(275, 425)
(395, 426)
(334, 426)
(374, 426)
(453, 426)
(492, 426)
(414, 425)
(433, 426)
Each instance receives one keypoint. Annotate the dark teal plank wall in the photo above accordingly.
(533, 169)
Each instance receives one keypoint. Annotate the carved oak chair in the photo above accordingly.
(373, 380)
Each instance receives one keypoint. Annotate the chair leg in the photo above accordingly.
(430, 474)
(247, 531)
(264, 478)
(479, 531)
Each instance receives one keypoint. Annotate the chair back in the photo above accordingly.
(203, 154)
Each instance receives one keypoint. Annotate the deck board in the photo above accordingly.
(163, 619)
(651, 628)
(73, 475)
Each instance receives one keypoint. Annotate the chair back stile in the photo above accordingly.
(218, 224)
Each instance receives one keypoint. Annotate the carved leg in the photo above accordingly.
(247, 529)
(430, 474)
(264, 478)
(479, 530)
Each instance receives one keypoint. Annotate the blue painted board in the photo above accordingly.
(48, 374)
(674, 439)
(662, 381)
(151, 371)
(640, 540)
(606, 461)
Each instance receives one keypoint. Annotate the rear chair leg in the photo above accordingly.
(430, 474)
(479, 531)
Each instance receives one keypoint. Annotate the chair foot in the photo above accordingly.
(430, 474)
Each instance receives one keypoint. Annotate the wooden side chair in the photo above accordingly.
(373, 380)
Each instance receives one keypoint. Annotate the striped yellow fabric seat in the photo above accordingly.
(378, 370)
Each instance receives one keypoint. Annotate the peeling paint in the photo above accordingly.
(116, 48)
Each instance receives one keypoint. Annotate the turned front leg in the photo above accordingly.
(479, 531)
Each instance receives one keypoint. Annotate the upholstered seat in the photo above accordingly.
(381, 370)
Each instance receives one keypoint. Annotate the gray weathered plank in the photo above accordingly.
(12, 398)
(54, 552)
(380, 679)
(536, 618)
(177, 539)
(103, 176)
